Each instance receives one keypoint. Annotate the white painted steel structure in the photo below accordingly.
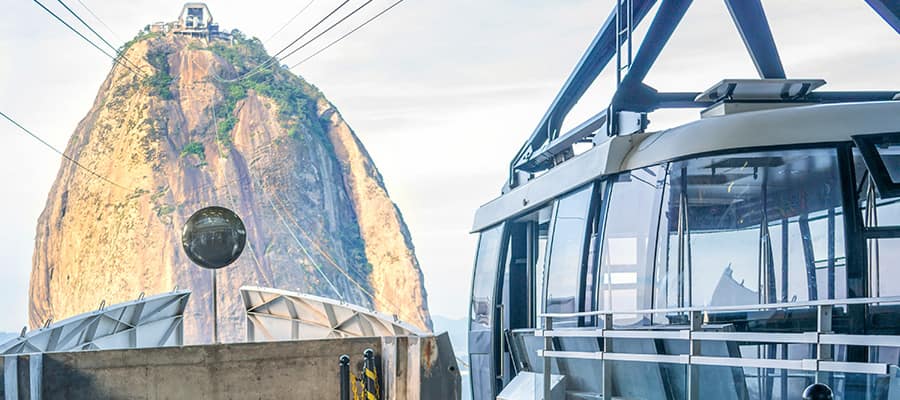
(274, 314)
(154, 321)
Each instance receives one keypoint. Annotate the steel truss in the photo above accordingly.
(633, 98)
(154, 321)
(282, 315)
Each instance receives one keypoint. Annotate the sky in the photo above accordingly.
(441, 93)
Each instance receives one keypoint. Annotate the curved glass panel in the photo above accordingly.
(627, 250)
(565, 273)
(481, 323)
(752, 228)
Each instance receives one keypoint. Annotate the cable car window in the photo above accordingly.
(875, 208)
(881, 154)
(543, 229)
(482, 335)
(878, 212)
(626, 254)
(483, 285)
(752, 228)
(566, 255)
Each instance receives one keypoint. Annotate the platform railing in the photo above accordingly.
(823, 338)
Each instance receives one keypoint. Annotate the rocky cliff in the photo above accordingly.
(183, 134)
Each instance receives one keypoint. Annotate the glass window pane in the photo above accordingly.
(884, 266)
(756, 227)
(567, 250)
(882, 157)
(538, 295)
(631, 217)
(485, 278)
(481, 333)
(890, 156)
(886, 212)
(878, 212)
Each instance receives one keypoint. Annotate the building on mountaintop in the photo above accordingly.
(195, 20)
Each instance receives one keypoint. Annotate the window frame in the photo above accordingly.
(855, 233)
(495, 356)
(867, 144)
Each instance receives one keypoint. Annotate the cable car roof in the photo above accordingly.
(794, 126)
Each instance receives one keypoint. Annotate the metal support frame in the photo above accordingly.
(274, 314)
(751, 22)
(889, 10)
(633, 95)
(153, 321)
(599, 53)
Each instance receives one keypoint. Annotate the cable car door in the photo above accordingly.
(484, 332)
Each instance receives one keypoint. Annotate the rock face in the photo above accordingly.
(182, 136)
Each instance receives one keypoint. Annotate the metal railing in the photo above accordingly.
(823, 338)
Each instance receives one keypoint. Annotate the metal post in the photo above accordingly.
(345, 376)
(548, 345)
(823, 351)
(604, 365)
(693, 381)
(215, 300)
(370, 377)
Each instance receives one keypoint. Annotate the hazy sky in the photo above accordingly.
(441, 92)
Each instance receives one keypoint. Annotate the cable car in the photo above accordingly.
(745, 255)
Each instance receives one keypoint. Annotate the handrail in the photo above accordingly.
(747, 307)
(822, 338)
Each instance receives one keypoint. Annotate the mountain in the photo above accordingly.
(194, 123)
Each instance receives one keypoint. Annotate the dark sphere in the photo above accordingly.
(818, 391)
(214, 237)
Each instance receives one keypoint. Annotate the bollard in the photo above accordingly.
(818, 391)
(345, 377)
(370, 376)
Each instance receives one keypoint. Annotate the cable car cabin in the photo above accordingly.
(745, 255)
(754, 253)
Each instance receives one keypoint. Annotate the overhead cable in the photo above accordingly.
(115, 60)
(64, 155)
(100, 20)
(345, 35)
(290, 20)
(268, 62)
(326, 30)
(119, 54)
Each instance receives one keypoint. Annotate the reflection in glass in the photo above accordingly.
(538, 287)
(566, 254)
(640, 380)
(752, 228)
(486, 263)
(879, 212)
(626, 256)
(481, 334)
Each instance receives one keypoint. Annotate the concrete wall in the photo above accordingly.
(410, 368)
(276, 370)
(420, 368)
